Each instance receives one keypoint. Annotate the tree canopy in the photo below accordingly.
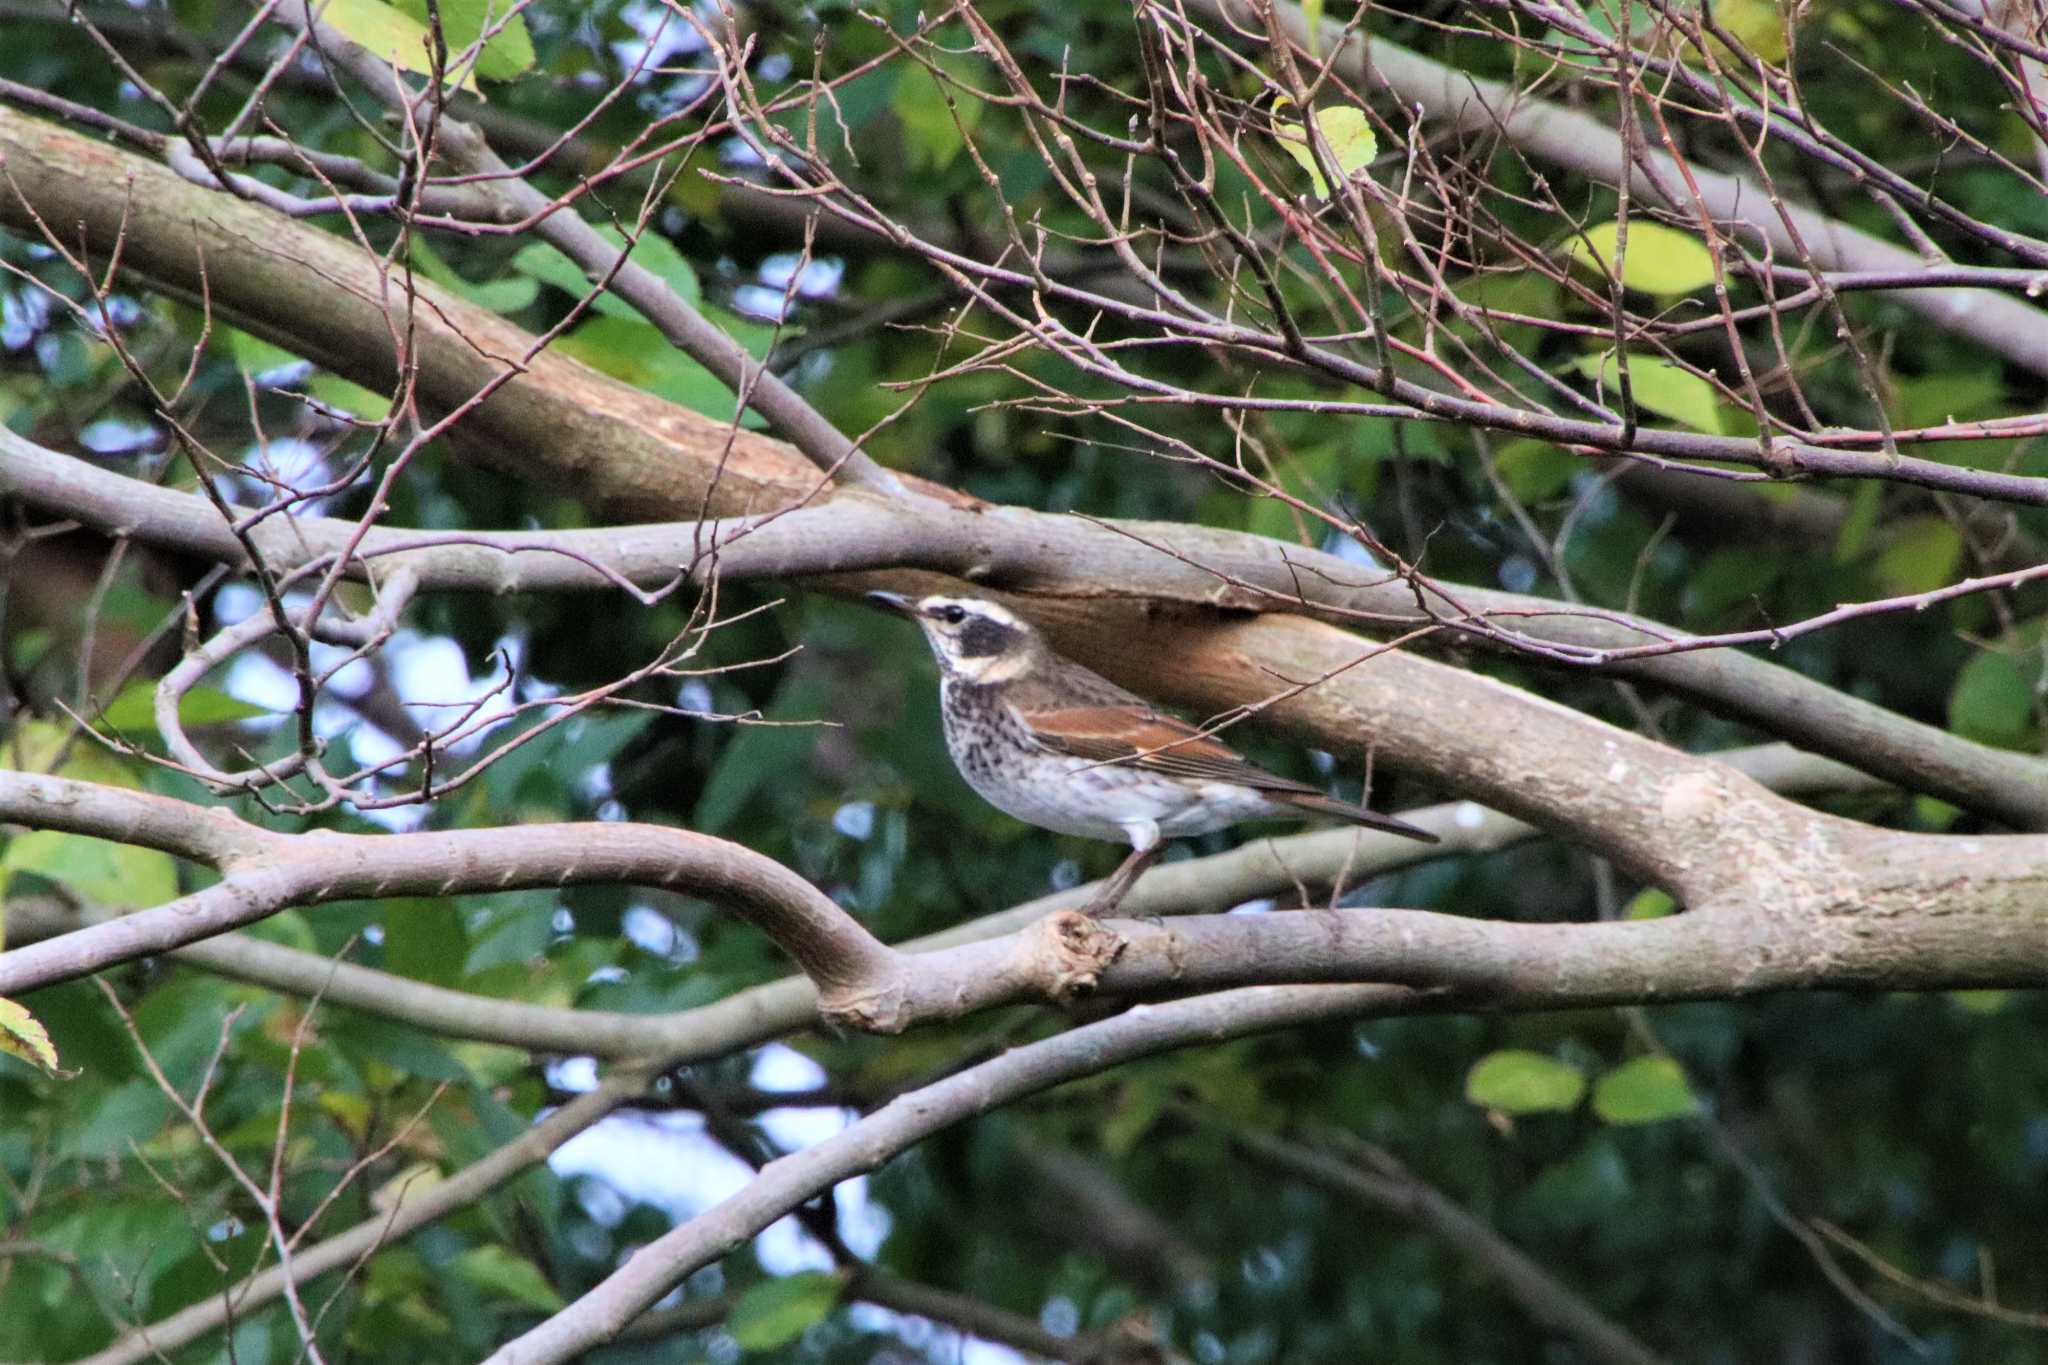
(481, 884)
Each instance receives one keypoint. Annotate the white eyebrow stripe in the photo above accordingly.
(980, 606)
(1001, 615)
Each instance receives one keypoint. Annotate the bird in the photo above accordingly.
(1059, 746)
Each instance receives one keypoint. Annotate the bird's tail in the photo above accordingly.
(1357, 815)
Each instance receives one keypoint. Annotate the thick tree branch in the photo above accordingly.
(630, 455)
(326, 299)
(867, 1144)
(783, 1184)
(556, 222)
(1310, 864)
(264, 873)
(204, 834)
(1857, 909)
(1070, 572)
(1776, 897)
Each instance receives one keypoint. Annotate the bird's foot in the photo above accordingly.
(1120, 883)
(1102, 907)
(1109, 898)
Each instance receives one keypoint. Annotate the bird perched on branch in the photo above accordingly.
(1058, 746)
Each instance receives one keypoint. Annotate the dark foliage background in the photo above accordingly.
(1918, 1126)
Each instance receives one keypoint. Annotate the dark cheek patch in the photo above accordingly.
(981, 638)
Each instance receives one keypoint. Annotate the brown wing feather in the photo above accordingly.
(1114, 726)
(1146, 739)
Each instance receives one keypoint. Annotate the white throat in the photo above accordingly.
(991, 668)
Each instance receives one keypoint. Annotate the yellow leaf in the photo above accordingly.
(23, 1035)
(1649, 903)
(388, 34)
(1644, 1090)
(1352, 145)
(1516, 1081)
(1659, 387)
(1660, 260)
(1758, 25)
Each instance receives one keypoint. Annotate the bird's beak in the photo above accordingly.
(894, 601)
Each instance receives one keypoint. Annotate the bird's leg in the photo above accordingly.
(1120, 882)
(1146, 846)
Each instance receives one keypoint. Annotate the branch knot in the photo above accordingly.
(1072, 951)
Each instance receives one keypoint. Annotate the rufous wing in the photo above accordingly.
(1146, 739)
(1128, 737)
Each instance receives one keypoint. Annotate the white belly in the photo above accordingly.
(1081, 796)
(1077, 796)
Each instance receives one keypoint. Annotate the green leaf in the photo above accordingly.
(1728, 579)
(118, 876)
(493, 1267)
(758, 755)
(1864, 504)
(1649, 903)
(23, 1036)
(84, 1031)
(636, 353)
(932, 128)
(1535, 471)
(1352, 143)
(1312, 19)
(1953, 393)
(502, 296)
(387, 33)
(288, 928)
(135, 708)
(352, 398)
(652, 251)
(425, 939)
(1381, 438)
(1520, 1082)
(255, 355)
(1660, 260)
(1934, 815)
(129, 1113)
(1993, 701)
(509, 51)
(28, 646)
(1659, 387)
(1758, 25)
(1582, 1192)
(755, 337)
(1921, 554)
(405, 1050)
(1644, 1090)
(776, 1312)
(506, 295)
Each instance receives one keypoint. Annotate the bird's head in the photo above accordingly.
(976, 640)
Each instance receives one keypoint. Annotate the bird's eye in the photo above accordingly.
(952, 616)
